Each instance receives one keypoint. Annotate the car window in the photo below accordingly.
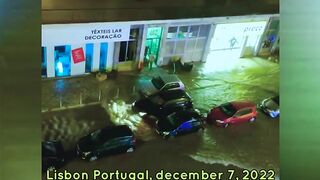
(227, 109)
(172, 85)
(157, 82)
(242, 112)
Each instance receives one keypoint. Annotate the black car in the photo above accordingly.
(52, 155)
(106, 141)
(271, 107)
(164, 103)
(179, 123)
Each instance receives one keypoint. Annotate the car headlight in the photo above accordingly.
(86, 153)
(219, 121)
(166, 133)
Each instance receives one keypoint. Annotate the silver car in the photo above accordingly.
(160, 83)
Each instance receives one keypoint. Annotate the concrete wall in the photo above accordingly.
(61, 11)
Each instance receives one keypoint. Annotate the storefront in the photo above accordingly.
(76, 49)
(236, 40)
(187, 42)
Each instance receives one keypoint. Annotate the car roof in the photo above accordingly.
(168, 78)
(116, 131)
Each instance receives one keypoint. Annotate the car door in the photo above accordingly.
(242, 115)
(109, 146)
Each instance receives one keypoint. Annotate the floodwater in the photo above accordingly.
(245, 146)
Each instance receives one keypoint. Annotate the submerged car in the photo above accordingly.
(232, 113)
(179, 123)
(270, 106)
(52, 155)
(160, 83)
(164, 103)
(106, 141)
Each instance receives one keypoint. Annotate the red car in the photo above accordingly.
(232, 113)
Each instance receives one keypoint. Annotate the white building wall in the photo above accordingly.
(96, 57)
(110, 55)
(50, 62)
(77, 68)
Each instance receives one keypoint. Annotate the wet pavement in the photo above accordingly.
(246, 146)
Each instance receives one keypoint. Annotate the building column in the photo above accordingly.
(163, 44)
(78, 68)
(50, 62)
(208, 43)
(96, 57)
(143, 42)
(110, 56)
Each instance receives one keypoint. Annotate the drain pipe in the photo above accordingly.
(80, 98)
(100, 92)
(60, 102)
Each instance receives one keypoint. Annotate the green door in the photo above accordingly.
(153, 41)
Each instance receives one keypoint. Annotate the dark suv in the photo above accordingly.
(164, 103)
(105, 141)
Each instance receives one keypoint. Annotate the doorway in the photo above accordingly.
(152, 45)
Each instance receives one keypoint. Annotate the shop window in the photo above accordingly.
(62, 56)
(191, 44)
(183, 32)
(180, 47)
(44, 62)
(190, 41)
(194, 30)
(128, 49)
(89, 57)
(103, 56)
(201, 44)
(134, 33)
(204, 30)
(172, 32)
(169, 48)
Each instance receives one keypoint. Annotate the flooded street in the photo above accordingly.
(245, 146)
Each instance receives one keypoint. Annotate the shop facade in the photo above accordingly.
(77, 49)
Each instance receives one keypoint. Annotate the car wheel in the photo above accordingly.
(131, 149)
(252, 119)
(226, 125)
(93, 158)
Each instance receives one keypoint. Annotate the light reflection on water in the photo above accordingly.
(122, 114)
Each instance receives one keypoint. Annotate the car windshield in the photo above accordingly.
(157, 82)
(276, 99)
(272, 104)
(228, 109)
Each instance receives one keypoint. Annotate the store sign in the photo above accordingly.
(254, 27)
(62, 34)
(78, 55)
